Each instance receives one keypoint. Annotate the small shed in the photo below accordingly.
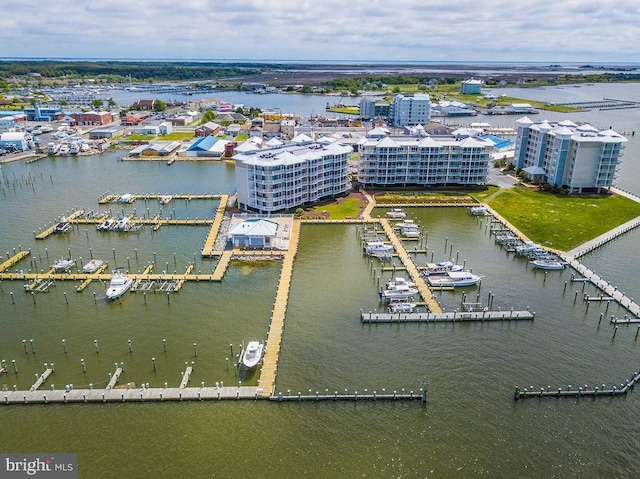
(253, 233)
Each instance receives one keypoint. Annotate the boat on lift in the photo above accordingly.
(165, 199)
(107, 224)
(62, 227)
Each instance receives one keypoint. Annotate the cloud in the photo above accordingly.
(463, 30)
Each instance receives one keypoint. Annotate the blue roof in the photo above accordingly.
(203, 144)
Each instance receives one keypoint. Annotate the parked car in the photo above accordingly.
(3, 152)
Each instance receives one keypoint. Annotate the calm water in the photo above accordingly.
(470, 426)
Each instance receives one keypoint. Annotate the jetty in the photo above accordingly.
(586, 391)
(449, 317)
(49, 231)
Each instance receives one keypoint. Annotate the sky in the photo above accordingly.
(369, 30)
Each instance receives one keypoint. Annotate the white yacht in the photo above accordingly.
(402, 307)
(455, 279)
(377, 247)
(440, 268)
(165, 199)
(396, 213)
(107, 224)
(551, 264)
(252, 354)
(398, 292)
(62, 265)
(93, 266)
(119, 284)
(64, 150)
(123, 224)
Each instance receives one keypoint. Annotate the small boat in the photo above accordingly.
(252, 354)
(123, 224)
(119, 284)
(126, 198)
(406, 224)
(410, 232)
(85, 147)
(440, 268)
(526, 247)
(377, 247)
(396, 213)
(399, 280)
(402, 307)
(165, 199)
(64, 150)
(455, 279)
(62, 265)
(62, 227)
(400, 292)
(479, 210)
(93, 266)
(74, 148)
(107, 224)
(52, 148)
(551, 264)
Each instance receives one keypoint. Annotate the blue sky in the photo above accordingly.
(416, 30)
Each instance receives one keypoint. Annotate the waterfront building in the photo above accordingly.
(38, 113)
(470, 87)
(252, 233)
(423, 160)
(93, 118)
(207, 146)
(17, 139)
(107, 132)
(574, 156)
(410, 110)
(452, 108)
(285, 177)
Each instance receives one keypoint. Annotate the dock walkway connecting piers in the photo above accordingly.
(453, 317)
(272, 349)
(411, 268)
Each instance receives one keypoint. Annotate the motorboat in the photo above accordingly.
(454, 279)
(526, 247)
(441, 268)
(62, 265)
(107, 224)
(64, 150)
(84, 147)
(479, 210)
(396, 213)
(62, 227)
(74, 148)
(398, 281)
(552, 264)
(402, 307)
(406, 224)
(165, 199)
(252, 354)
(374, 248)
(93, 266)
(126, 198)
(52, 148)
(119, 284)
(398, 292)
(123, 224)
(410, 232)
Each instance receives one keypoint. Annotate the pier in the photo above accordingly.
(41, 379)
(208, 247)
(113, 198)
(114, 378)
(581, 391)
(452, 317)
(186, 376)
(276, 326)
(17, 257)
(49, 231)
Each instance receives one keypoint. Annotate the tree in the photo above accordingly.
(396, 89)
(97, 103)
(159, 105)
(207, 117)
(112, 103)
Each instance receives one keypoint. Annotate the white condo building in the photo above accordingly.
(423, 160)
(410, 110)
(289, 176)
(569, 155)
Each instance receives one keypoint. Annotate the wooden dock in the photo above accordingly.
(41, 379)
(114, 378)
(49, 231)
(272, 349)
(223, 264)
(453, 317)
(411, 268)
(112, 198)
(208, 247)
(623, 389)
(395, 396)
(16, 258)
(186, 376)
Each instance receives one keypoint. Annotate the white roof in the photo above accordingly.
(302, 138)
(274, 142)
(13, 136)
(254, 227)
(247, 147)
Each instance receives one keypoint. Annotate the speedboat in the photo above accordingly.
(252, 354)
(119, 284)
(455, 279)
(62, 265)
(374, 248)
(107, 224)
(549, 264)
(443, 267)
(62, 227)
(165, 199)
(402, 307)
(93, 266)
(396, 213)
(122, 224)
(398, 292)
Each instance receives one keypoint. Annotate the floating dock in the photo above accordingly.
(453, 317)
(579, 392)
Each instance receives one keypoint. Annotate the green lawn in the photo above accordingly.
(563, 221)
(348, 208)
(178, 136)
(420, 197)
(348, 110)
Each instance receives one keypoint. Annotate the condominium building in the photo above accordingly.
(292, 175)
(470, 87)
(566, 154)
(410, 110)
(423, 160)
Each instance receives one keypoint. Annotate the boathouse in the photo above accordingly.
(253, 233)
(209, 146)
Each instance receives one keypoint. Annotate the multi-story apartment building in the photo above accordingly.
(290, 176)
(410, 110)
(423, 160)
(470, 87)
(566, 154)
